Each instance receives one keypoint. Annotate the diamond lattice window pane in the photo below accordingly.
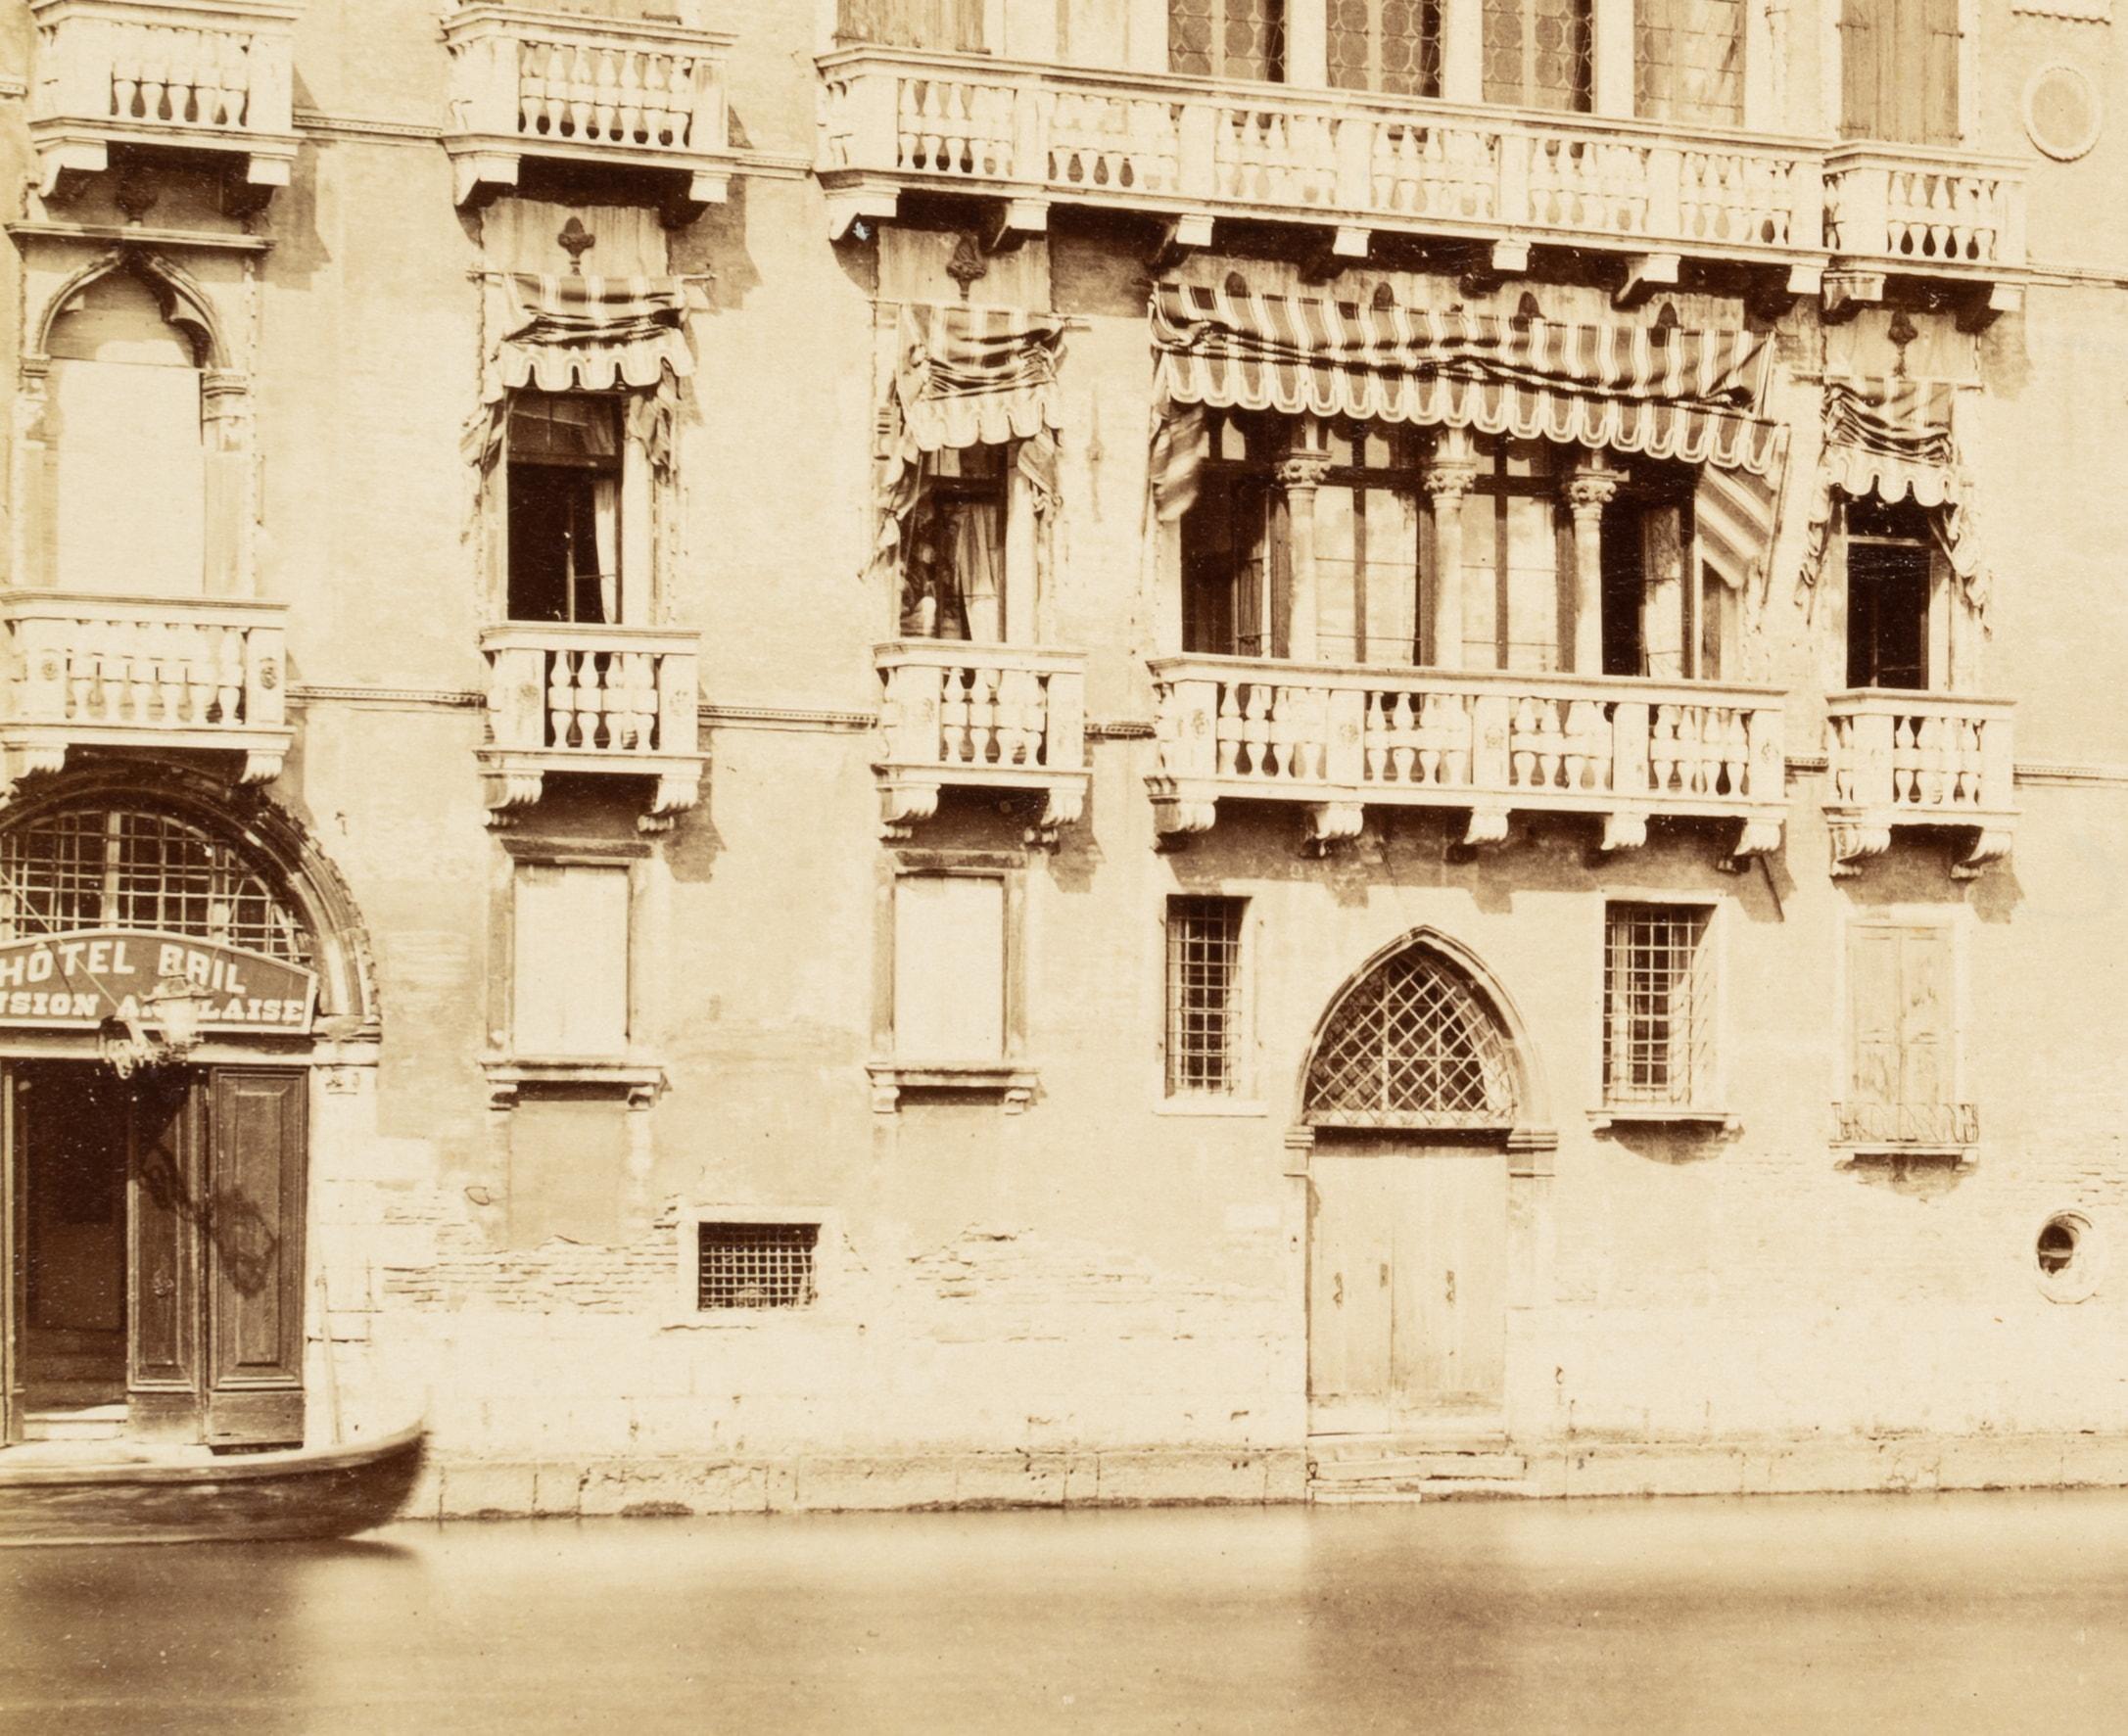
(1413, 1045)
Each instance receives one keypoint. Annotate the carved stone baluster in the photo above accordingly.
(88, 656)
(1433, 736)
(560, 698)
(1230, 729)
(640, 83)
(1376, 709)
(125, 59)
(1663, 751)
(954, 719)
(1255, 730)
(605, 91)
(1404, 737)
(1906, 762)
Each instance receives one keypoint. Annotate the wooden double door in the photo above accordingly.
(1407, 1287)
(153, 1238)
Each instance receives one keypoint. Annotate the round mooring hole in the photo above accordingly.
(2066, 1253)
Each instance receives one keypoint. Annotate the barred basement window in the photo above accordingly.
(756, 1265)
(1658, 991)
(1204, 995)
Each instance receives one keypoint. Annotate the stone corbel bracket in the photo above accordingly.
(516, 782)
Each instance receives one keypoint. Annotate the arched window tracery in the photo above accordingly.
(1412, 1044)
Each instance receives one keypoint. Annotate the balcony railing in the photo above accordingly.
(1337, 739)
(1920, 1127)
(1903, 759)
(1910, 208)
(196, 75)
(991, 716)
(172, 673)
(592, 699)
(529, 82)
(897, 119)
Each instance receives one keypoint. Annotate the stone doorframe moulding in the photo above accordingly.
(1529, 1144)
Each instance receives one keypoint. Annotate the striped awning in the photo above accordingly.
(1894, 440)
(1671, 393)
(585, 333)
(975, 376)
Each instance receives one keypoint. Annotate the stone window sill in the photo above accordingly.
(642, 1082)
(1009, 1081)
(1208, 1105)
(1613, 1115)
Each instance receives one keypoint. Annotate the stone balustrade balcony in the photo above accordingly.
(158, 673)
(1915, 210)
(604, 700)
(644, 95)
(1197, 149)
(194, 76)
(1350, 163)
(1905, 758)
(1336, 739)
(980, 717)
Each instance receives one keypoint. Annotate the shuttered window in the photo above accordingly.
(1901, 1033)
(1899, 71)
(570, 983)
(949, 968)
(956, 24)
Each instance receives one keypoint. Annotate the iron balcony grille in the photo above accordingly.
(756, 1265)
(129, 868)
(1658, 992)
(1922, 1125)
(1413, 1045)
(1203, 984)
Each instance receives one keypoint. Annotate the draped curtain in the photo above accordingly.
(967, 377)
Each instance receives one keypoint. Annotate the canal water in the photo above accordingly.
(1982, 1613)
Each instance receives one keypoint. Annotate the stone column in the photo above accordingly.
(1448, 479)
(1308, 43)
(1462, 51)
(1611, 32)
(1589, 489)
(1301, 475)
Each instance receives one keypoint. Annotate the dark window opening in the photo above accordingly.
(1625, 586)
(2056, 1247)
(564, 509)
(1227, 540)
(756, 1265)
(953, 565)
(1888, 562)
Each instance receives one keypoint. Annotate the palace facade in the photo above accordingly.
(938, 752)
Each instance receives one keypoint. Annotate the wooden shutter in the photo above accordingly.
(167, 1208)
(13, 1271)
(569, 994)
(1926, 1028)
(1937, 58)
(1874, 1017)
(253, 1256)
(1863, 32)
(949, 968)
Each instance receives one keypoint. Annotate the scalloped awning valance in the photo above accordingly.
(586, 334)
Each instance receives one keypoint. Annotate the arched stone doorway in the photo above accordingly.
(169, 960)
(1415, 1088)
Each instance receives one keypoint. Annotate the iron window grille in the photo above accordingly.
(138, 870)
(1204, 1031)
(1412, 1045)
(1658, 991)
(756, 1265)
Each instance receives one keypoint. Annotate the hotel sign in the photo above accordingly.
(78, 981)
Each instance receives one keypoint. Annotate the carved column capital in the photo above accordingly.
(1450, 479)
(1305, 473)
(1588, 490)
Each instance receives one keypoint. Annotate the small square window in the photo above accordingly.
(1204, 996)
(1658, 1028)
(756, 1265)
